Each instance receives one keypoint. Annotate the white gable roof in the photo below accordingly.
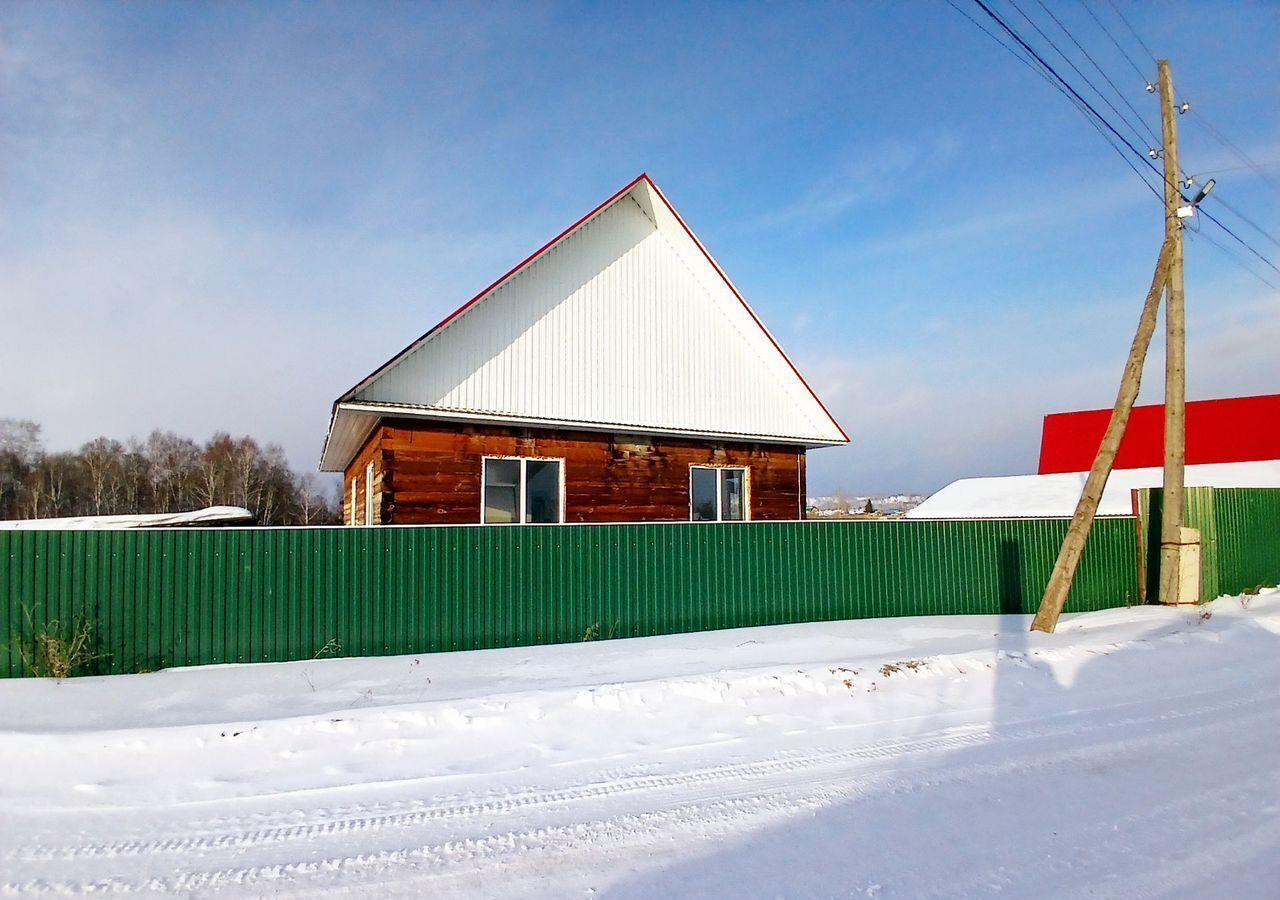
(622, 323)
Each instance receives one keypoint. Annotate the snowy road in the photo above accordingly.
(1130, 755)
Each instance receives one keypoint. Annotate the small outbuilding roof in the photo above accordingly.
(1056, 494)
(210, 515)
(623, 322)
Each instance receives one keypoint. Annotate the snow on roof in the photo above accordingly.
(212, 515)
(623, 322)
(1057, 495)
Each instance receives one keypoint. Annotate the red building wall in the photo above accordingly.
(1240, 429)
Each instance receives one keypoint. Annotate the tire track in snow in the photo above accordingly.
(727, 805)
(230, 831)
(230, 838)
(592, 836)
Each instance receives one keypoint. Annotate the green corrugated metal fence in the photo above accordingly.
(186, 597)
(1239, 537)
(1199, 507)
(1247, 522)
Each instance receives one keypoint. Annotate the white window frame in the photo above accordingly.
(719, 470)
(368, 495)
(524, 460)
(354, 518)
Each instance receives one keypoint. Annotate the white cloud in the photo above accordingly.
(877, 172)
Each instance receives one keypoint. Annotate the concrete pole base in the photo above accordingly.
(1186, 556)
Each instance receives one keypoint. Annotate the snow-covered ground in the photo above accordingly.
(1131, 754)
(1058, 494)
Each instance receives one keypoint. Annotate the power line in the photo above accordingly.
(1236, 259)
(1274, 164)
(1101, 71)
(1146, 78)
(1199, 117)
(1222, 139)
(1242, 217)
(1085, 107)
(1079, 105)
(1098, 119)
(1076, 69)
(1054, 72)
(1239, 240)
(1230, 145)
(1124, 158)
(1016, 55)
(1133, 31)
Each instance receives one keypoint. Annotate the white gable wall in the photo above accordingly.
(624, 322)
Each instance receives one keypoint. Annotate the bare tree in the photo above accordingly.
(165, 473)
(21, 437)
(172, 460)
(19, 450)
(314, 507)
(102, 462)
(55, 485)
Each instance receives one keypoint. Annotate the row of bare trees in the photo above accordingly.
(164, 473)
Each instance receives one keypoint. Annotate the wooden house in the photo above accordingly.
(616, 375)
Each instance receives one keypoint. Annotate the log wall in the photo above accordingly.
(430, 473)
(371, 452)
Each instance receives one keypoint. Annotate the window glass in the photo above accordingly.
(542, 490)
(732, 495)
(703, 495)
(501, 490)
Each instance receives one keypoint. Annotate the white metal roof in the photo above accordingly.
(1057, 494)
(622, 323)
(210, 515)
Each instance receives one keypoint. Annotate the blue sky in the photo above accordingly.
(221, 217)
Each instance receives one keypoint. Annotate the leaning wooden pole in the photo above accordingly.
(1064, 570)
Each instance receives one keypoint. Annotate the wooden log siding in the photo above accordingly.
(430, 473)
(371, 452)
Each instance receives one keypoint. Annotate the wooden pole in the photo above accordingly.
(1064, 570)
(1175, 373)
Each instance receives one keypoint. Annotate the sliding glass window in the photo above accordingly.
(717, 495)
(523, 490)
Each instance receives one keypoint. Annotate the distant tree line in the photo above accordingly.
(165, 473)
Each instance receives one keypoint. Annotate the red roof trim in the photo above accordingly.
(643, 176)
(1212, 400)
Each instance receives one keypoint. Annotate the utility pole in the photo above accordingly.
(1168, 277)
(1175, 373)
